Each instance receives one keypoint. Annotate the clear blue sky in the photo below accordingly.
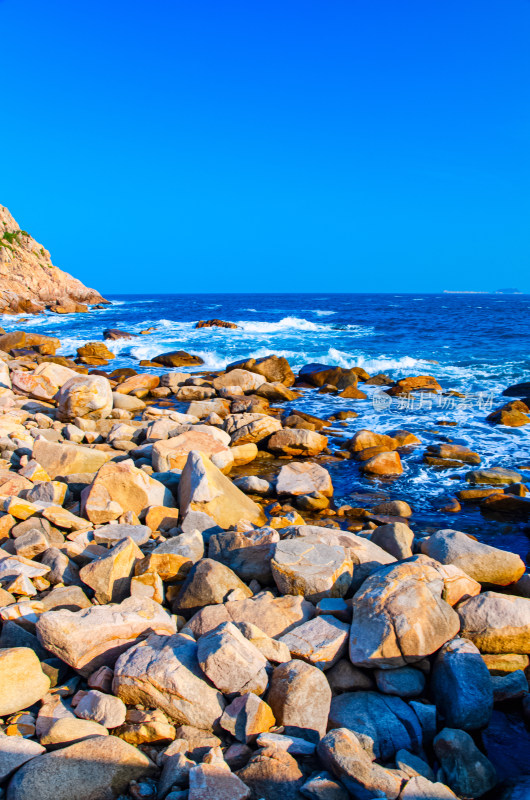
(252, 145)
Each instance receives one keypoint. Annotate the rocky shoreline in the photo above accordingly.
(186, 613)
(29, 281)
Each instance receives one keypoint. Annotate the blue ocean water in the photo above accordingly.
(474, 344)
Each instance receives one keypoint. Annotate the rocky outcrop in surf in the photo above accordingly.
(29, 282)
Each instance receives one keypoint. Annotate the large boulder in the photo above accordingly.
(461, 686)
(65, 458)
(177, 358)
(84, 396)
(273, 368)
(494, 476)
(304, 477)
(247, 381)
(98, 768)
(250, 428)
(399, 616)
(344, 755)
(465, 769)
(297, 442)
(163, 672)
(300, 698)
(231, 662)
(423, 383)
(497, 623)
(110, 575)
(209, 582)
(44, 381)
(273, 774)
(173, 453)
(273, 615)
(482, 562)
(385, 723)
(320, 641)
(123, 483)
(15, 751)
(16, 340)
(22, 681)
(325, 375)
(96, 636)
(203, 487)
(383, 464)
(308, 567)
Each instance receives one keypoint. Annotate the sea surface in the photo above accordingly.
(476, 345)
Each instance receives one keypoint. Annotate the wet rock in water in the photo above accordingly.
(22, 681)
(423, 383)
(245, 380)
(273, 774)
(300, 697)
(513, 414)
(94, 353)
(384, 723)
(343, 754)
(396, 538)
(230, 661)
(466, 770)
(323, 374)
(507, 505)
(393, 508)
(275, 369)
(496, 623)
(96, 636)
(456, 452)
(364, 439)
(399, 616)
(383, 464)
(310, 568)
(495, 476)
(320, 641)
(177, 358)
(214, 323)
(101, 767)
(164, 673)
(481, 562)
(304, 478)
(204, 488)
(115, 333)
(297, 442)
(462, 686)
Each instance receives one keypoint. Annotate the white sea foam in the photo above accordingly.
(287, 323)
(321, 313)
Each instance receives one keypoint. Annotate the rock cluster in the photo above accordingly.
(176, 629)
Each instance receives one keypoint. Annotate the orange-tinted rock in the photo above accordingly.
(424, 383)
(383, 464)
(177, 358)
(365, 438)
(214, 323)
